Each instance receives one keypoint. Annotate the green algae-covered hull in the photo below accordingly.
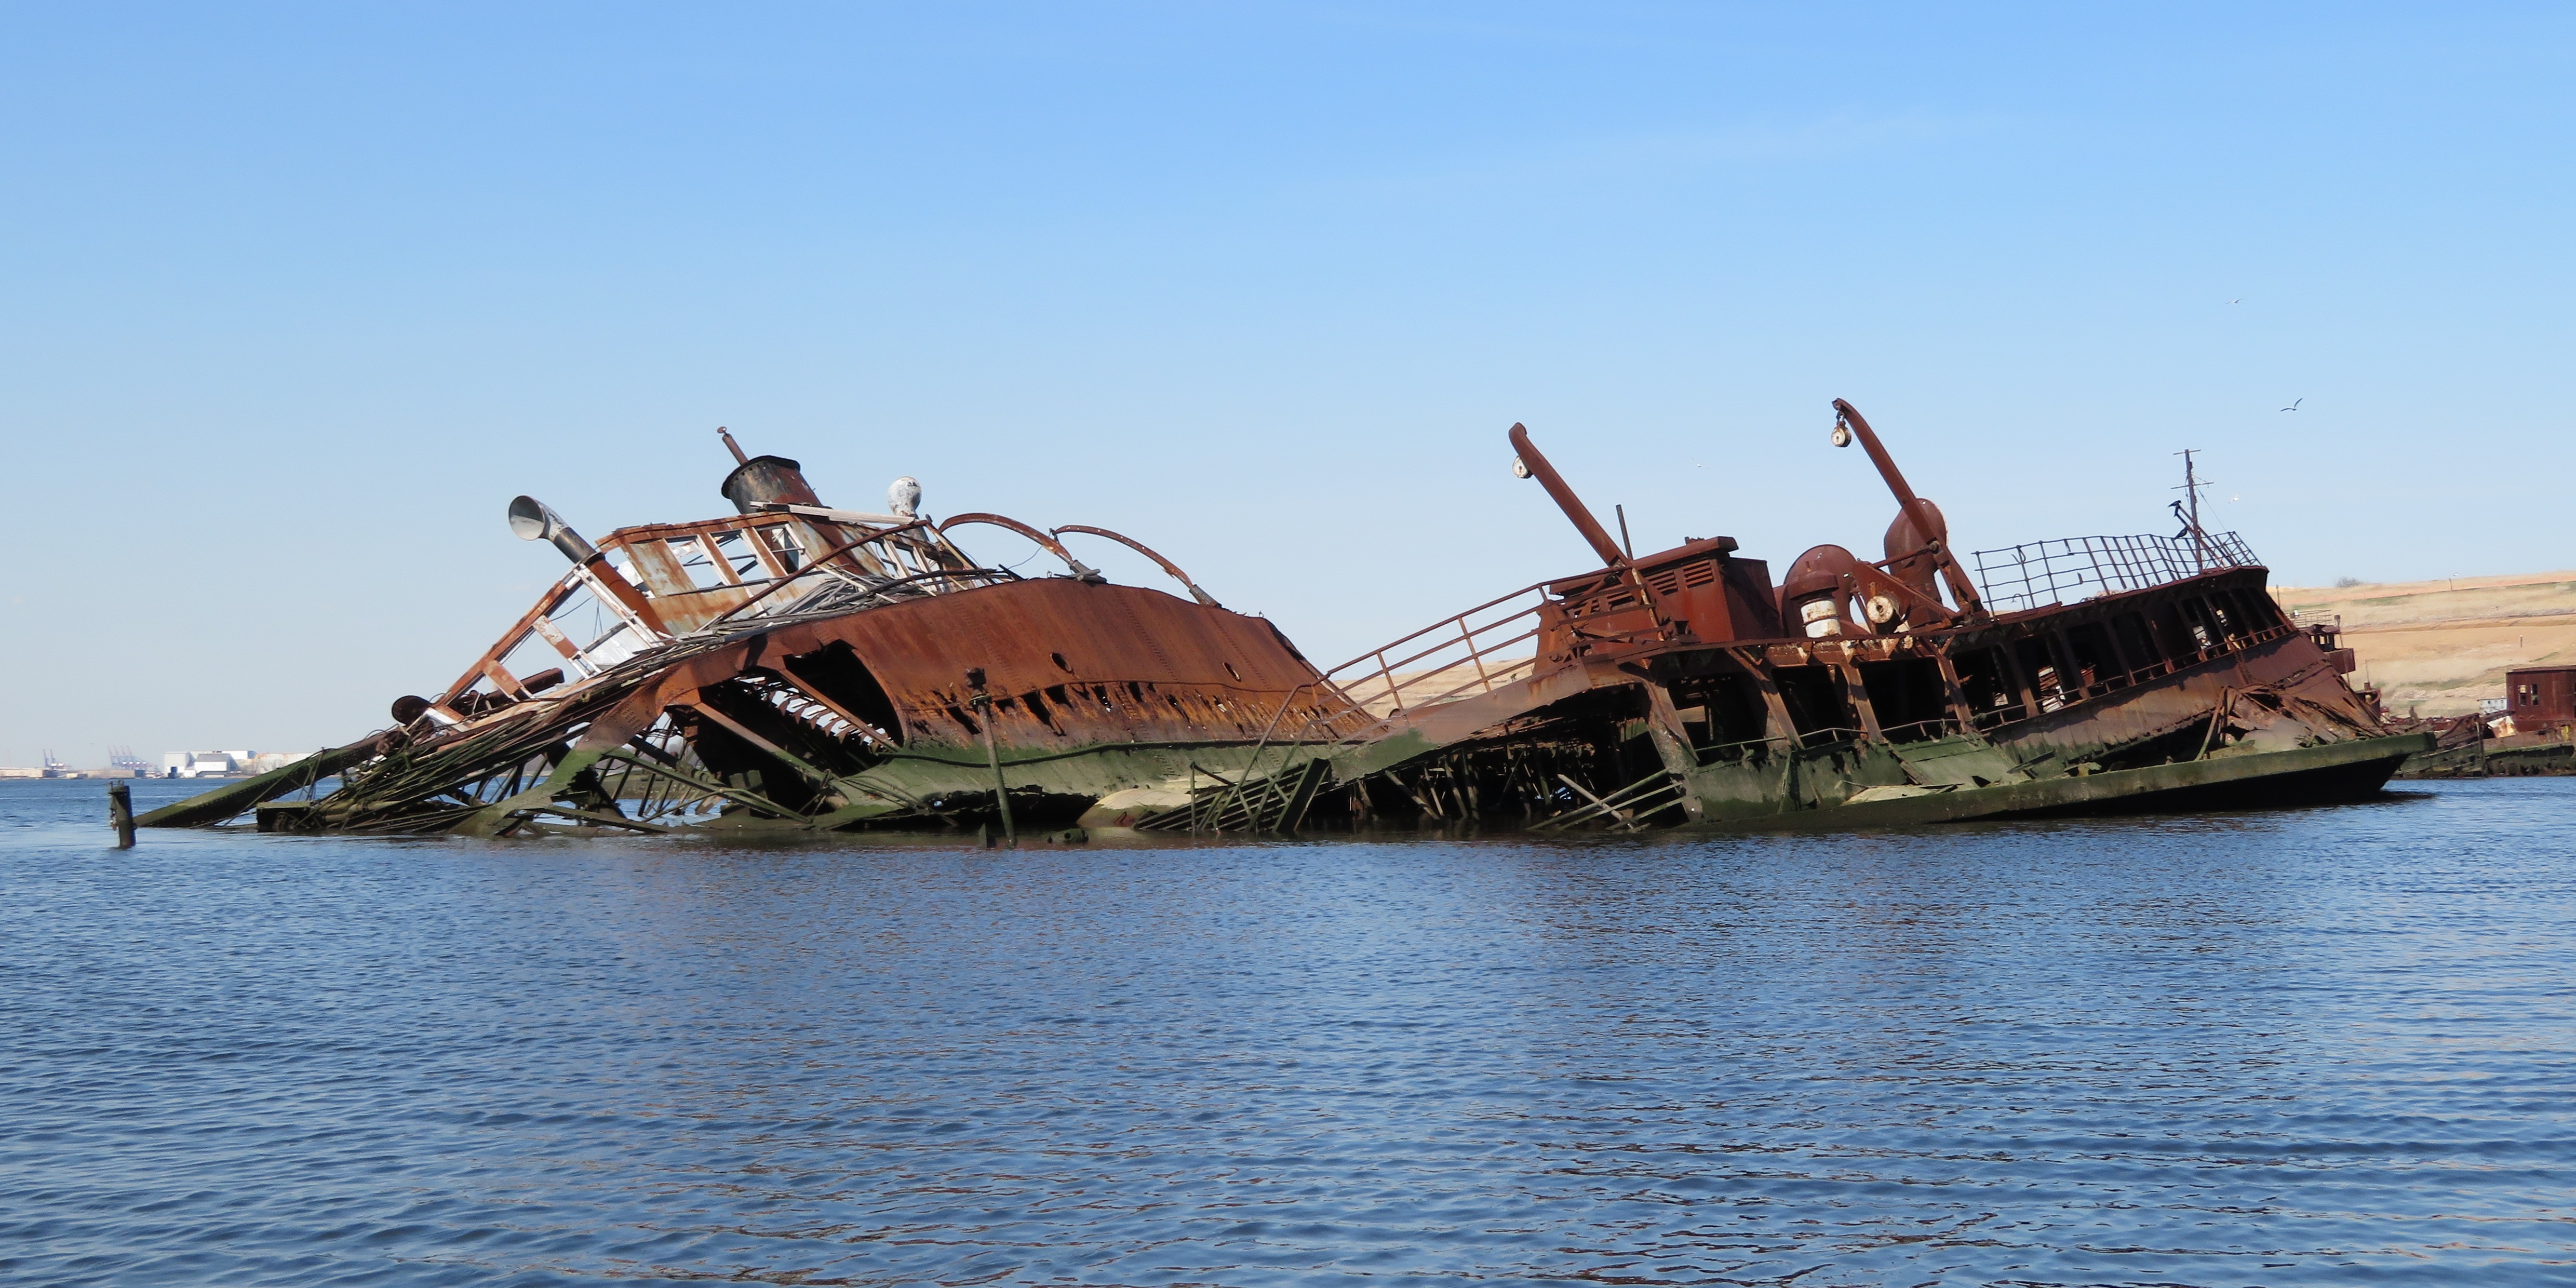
(2327, 774)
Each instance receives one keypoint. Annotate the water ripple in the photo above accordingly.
(2315, 1047)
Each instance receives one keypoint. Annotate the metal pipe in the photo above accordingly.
(1081, 570)
(1535, 464)
(819, 565)
(982, 703)
(1848, 418)
(1147, 551)
(532, 519)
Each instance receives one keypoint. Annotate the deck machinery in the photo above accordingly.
(2094, 673)
(802, 667)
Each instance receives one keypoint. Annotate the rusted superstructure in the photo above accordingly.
(1681, 687)
(793, 665)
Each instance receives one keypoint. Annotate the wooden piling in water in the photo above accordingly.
(120, 813)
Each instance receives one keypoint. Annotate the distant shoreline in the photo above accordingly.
(2436, 647)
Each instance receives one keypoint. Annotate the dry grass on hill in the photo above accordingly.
(2438, 646)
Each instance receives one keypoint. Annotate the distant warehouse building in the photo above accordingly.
(199, 764)
(221, 764)
(2541, 697)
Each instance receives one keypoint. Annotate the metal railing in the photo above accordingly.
(2057, 695)
(2078, 568)
(1475, 651)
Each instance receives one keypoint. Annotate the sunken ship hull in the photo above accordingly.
(1900, 730)
(2122, 674)
(798, 667)
(794, 666)
(2533, 734)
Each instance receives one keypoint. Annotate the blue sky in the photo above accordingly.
(297, 298)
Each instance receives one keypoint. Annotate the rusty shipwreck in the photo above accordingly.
(796, 666)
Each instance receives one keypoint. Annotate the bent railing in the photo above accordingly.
(2076, 568)
(1477, 651)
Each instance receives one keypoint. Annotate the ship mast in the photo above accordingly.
(2192, 483)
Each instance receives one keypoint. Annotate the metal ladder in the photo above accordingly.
(1628, 808)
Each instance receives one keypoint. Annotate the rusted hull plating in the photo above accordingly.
(801, 667)
(1090, 689)
(1680, 688)
(1966, 722)
(796, 666)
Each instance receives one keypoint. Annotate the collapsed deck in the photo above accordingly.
(798, 666)
(801, 667)
(1682, 687)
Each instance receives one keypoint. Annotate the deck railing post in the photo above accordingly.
(1469, 638)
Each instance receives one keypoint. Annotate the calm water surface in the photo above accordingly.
(2318, 1047)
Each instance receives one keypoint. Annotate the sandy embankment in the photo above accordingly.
(2438, 646)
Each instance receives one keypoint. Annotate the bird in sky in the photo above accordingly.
(2236, 301)
(2294, 405)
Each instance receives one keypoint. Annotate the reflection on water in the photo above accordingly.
(2312, 1047)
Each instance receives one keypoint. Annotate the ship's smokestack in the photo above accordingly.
(767, 480)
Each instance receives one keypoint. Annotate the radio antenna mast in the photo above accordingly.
(2192, 483)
